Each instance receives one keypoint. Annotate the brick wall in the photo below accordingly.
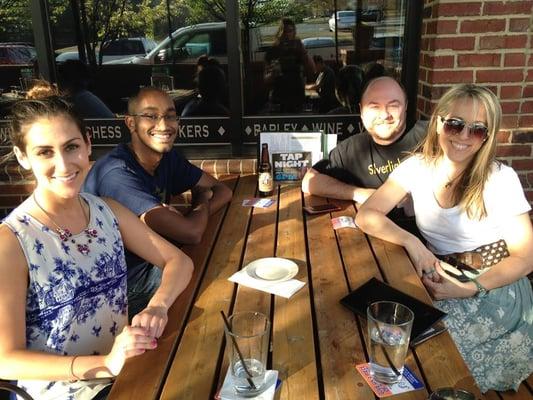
(487, 42)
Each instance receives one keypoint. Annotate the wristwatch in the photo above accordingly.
(481, 290)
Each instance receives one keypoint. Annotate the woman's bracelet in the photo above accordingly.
(72, 374)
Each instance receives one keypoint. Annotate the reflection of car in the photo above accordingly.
(348, 18)
(344, 20)
(190, 42)
(116, 51)
(320, 41)
(17, 53)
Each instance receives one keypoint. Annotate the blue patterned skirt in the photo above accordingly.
(494, 334)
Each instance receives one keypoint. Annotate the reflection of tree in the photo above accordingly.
(107, 20)
(15, 17)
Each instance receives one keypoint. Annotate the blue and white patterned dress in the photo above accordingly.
(76, 304)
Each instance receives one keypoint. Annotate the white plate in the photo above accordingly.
(272, 269)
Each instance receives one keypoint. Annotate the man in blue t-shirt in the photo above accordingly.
(144, 174)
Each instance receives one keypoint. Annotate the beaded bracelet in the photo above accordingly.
(76, 377)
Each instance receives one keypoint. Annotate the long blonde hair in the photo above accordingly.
(468, 193)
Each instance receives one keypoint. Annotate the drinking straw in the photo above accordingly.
(226, 322)
(385, 352)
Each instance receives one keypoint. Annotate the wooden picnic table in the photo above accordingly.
(315, 341)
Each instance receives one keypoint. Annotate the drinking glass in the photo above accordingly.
(247, 342)
(451, 394)
(389, 328)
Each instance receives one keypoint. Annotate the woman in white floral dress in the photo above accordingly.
(463, 200)
(64, 331)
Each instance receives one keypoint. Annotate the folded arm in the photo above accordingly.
(177, 267)
(518, 235)
(320, 184)
(17, 362)
(372, 218)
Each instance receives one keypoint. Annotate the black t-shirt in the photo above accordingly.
(360, 161)
(288, 83)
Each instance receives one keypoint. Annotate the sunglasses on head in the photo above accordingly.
(454, 127)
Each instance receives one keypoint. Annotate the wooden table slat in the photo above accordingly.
(360, 266)
(191, 374)
(293, 342)
(442, 363)
(340, 344)
(259, 244)
(146, 382)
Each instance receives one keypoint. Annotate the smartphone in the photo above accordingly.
(322, 208)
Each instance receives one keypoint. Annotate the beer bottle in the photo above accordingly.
(266, 183)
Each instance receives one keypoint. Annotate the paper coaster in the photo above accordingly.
(343, 222)
(408, 383)
(258, 202)
(272, 383)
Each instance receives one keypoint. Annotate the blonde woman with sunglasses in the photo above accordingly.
(470, 208)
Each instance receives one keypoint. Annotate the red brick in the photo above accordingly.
(527, 107)
(498, 75)
(509, 122)
(523, 165)
(507, 7)
(449, 76)
(503, 136)
(510, 107)
(515, 60)
(530, 63)
(502, 42)
(523, 136)
(458, 9)
(511, 92)
(528, 91)
(482, 26)
(526, 121)
(454, 43)
(519, 24)
(529, 195)
(11, 201)
(20, 189)
(513, 150)
(529, 76)
(445, 26)
(478, 60)
(440, 61)
(530, 179)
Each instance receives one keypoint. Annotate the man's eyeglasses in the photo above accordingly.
(454, 127)
(155, 118)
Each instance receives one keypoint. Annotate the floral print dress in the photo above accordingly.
(76, 299)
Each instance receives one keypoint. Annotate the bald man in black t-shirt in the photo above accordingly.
(361, 163)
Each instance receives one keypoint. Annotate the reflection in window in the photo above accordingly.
(367, 34)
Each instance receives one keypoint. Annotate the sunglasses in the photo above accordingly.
(454, 127)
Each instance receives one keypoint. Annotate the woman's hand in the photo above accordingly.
(131, 342)
(423, 260)
(447, 287)
(153, 319)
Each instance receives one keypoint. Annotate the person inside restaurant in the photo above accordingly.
(211, 91)
(145, 174)
(74, 80)
(468, 207)
(348, 89)
(286, 70)
(324, 85)
(63, 309)
(361, 163)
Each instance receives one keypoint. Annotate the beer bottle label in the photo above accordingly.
(265, 182)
